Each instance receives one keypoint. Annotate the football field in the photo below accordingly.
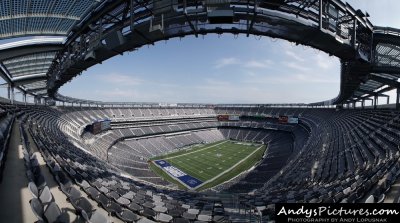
(210, 164)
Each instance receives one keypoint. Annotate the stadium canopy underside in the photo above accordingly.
(44, 44)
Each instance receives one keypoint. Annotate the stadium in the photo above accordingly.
(70, 159)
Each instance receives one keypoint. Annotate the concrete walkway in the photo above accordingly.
(14, 192)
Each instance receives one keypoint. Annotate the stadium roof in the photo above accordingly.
(60, 39)
(41, 17)
(28, 30)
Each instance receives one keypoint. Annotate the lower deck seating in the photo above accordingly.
(331, 156)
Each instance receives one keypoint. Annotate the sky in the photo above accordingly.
(223, 69)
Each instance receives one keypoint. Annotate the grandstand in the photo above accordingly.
(64, 159)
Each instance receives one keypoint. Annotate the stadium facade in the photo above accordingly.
(94, 153)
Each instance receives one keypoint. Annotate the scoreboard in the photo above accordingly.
(228, 118)
(99, 126)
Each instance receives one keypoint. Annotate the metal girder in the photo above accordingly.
(26, 50)
(378, 92)
(385, 81)
(20, 67)
(370, 93)
(250, 27)
(386, 38)
(390, 57)
(92, 18)
(5, 74)
(40, 95)
(31, 58)
(30, 79)
(269, 23)
(386, 69)
(39, 15)
(44, 17)
(33, 90)
(188, 20)
(29, 71)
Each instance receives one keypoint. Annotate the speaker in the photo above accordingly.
(114, 39)
(91, 55)
(220, 16)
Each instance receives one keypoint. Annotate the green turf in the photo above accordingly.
(207, 161)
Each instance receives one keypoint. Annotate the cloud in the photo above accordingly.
(216, 82)
(325, 63)
(120, 79)
(293, 55)
(226, 62)
(296, 66)
(309, 77)
(257, 64)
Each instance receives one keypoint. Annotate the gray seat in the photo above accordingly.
(123, 201)
(54, 214)
(206, 218)
(127, 216)
(37, 208)
(33, 189)
(84, 184)
(149, 213)
(219, 218)
(113, 208)
(73, 193)
(370, 199)
(46, 196)
(145, 220)
(189, 216)
(181, 220)
(103, 200)
(92, 192)
(135, 207)
(96, 217)
(40, 182)
(82, 204)
(160, 209)
(161, 217)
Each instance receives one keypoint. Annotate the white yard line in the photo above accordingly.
(227, 170)
(195, 151)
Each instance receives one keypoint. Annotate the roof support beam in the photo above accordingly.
(371, 92)
(39, 15)
(33, 90)
(188, 20)
(29, 81)
(7, 54)
(250, 27)
(383, 80)
(386, 69)
(398, 98)
(5, 74)
(391, 58)
(378, 92)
